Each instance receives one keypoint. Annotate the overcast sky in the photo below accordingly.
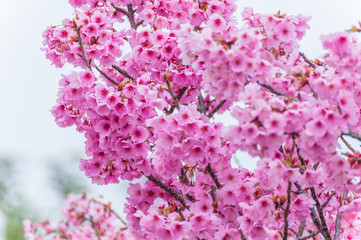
(28, 82)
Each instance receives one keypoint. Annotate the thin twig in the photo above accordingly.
(77, 29)
(299, 189)
(106, 76)
(183, 177)
(337, 227)
(190, 197)
(328, 200)
(111, 210)
(130, 15)
(214, 110)
(179, 96)
(276, 91)
(168, 189)
(348, 145)
(123, 72)
(314, 93)
(310, 236)
(242, 235)
(201, 106)
(353, 134)
(96, 230)
(301, 228)
(287, 210)
(323, 226)
(213, 175)
(308, 61)
(175, 100)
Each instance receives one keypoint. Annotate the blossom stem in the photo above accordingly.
(87, 62)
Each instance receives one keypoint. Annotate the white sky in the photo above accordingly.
(28, 83)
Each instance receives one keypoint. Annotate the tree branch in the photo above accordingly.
(301, 228)
(337, 227)
(328, 200)
(183, 177)
(347, 144)
(286, 211)
(175, 100)
(106, 76)
(179, 96)
(352, 134)
(308, 61)
(242, 235)
(213, 175)
(202, 107)
(310, 236)
(82, 55)
(130, 15)
(276, 91)
(214, 110)
(168, 189)
(322, 223)
(121, 71)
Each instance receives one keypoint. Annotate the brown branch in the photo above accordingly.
(179, 96)
(175, 100)
(202, 108)
(106, 76)
(183, 177)
(328, 200)
(179, 211)
(314, 93)
(213, 193)
(323, 226)
(299, 189)
(352, 134)
(121, 71)
(271, 89)
(310, 236)
(213, 175)
(348, 145)
(242, 235)
(301, 228)
(130, 15)
(308, 61)
(286, 211)
(87, 62)
(96, 230)
(303, 163)
(168, 189)
(214, 110)
(315, 219)
(337, 227)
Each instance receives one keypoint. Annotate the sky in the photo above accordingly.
(28, 83)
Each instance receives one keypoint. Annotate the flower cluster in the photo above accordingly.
(84, 218)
